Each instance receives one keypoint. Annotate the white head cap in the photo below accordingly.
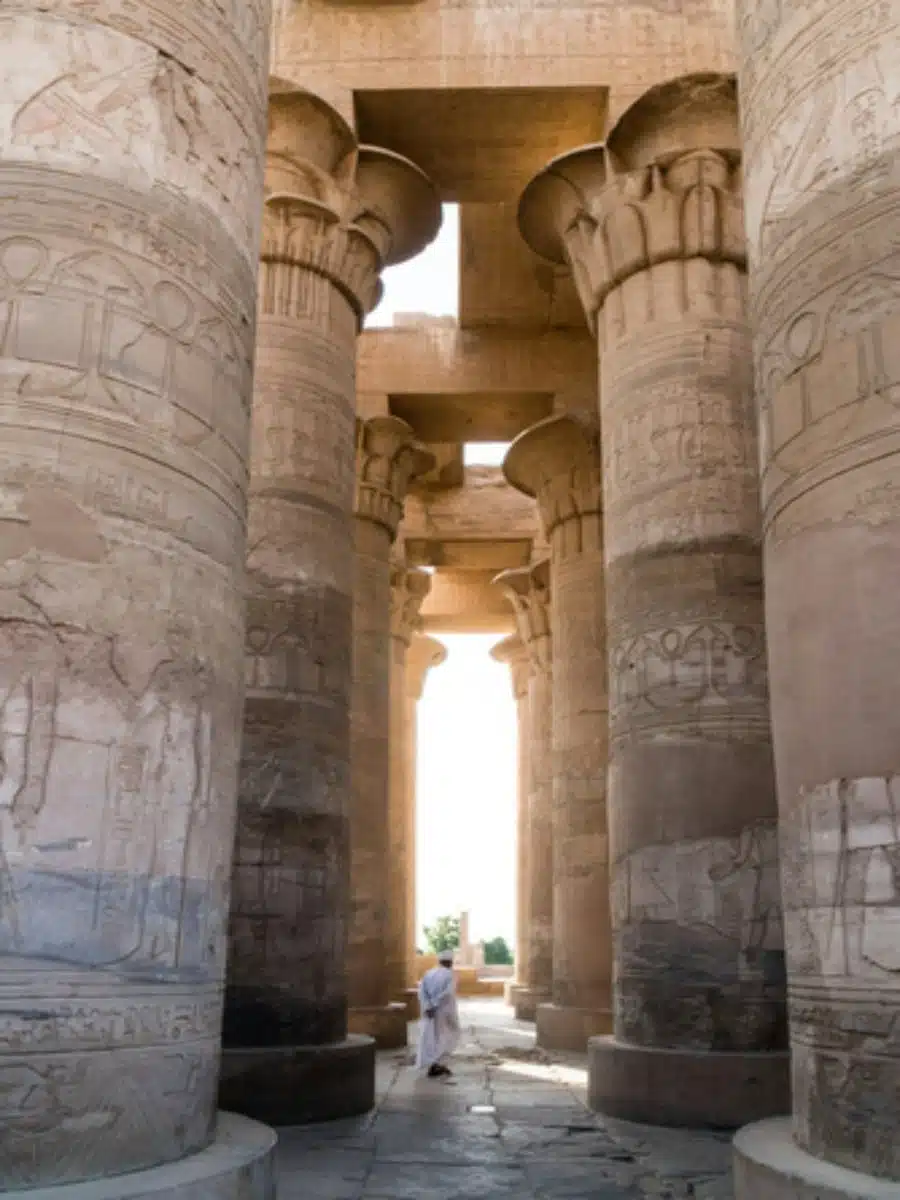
(445, 956)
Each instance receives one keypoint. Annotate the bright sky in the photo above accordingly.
(467, 722)
(427, 284)
(465, 844)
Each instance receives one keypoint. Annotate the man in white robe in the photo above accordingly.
(440, 1030)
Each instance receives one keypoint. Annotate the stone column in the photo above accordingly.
(335, 215)
(529, 592)
(820, 98)
(409, 587)
(424, 653)
(387, 459)
(558, 462)
(653, 233)
(131, 153)
(513, 652)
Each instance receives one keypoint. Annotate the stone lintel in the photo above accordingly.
(436, 358)
(464, 601)
(469, 554)
(387, 458)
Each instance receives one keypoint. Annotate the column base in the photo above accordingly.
(525, 1000)
(769, 1165)
(239, 1165)
(562, 1028)
(409, 998)
(686, 1088)
(385, 1023)
(296, 1085)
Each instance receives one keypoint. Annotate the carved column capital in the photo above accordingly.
(528, 591)
(388, 458)
(513, 651)
(558, 462)
(335, 211)
(423, 654)
(665, 188)
(409, 587)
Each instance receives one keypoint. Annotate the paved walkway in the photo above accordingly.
(512, 1123)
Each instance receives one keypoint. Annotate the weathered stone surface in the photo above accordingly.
(387, 459)
(819, 99)
(529, 593)
(131, 150)
(408, 590)
(558, 461)
(514, 653)
(238, 1164)
(334, 217)
(652, 227)
(770, 1165)
(422, 655)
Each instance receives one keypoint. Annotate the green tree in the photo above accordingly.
(497, 953)
(443, 934)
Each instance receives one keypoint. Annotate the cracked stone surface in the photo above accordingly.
(534, 1140)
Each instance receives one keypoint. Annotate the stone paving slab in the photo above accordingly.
(530, 1135)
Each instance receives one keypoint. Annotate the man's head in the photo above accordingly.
(445, 958)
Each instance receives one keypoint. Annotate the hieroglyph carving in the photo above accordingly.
(668, 677)
(172, 95)
(129, 215)
(823, 303)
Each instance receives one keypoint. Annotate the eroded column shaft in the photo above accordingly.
(528, 590)
(819, 97)
(423, 654)
(130, 189)
(387, 459)
(371, 842)
(287, 980)
(582, 957)
(539, 899)
(513, 652)
(652, 226)
(558, 462)
(698, 931)
(408, 590)
(287, 1058)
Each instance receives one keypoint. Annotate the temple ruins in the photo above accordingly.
(234, 523)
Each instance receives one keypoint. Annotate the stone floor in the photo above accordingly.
(511, 1123)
